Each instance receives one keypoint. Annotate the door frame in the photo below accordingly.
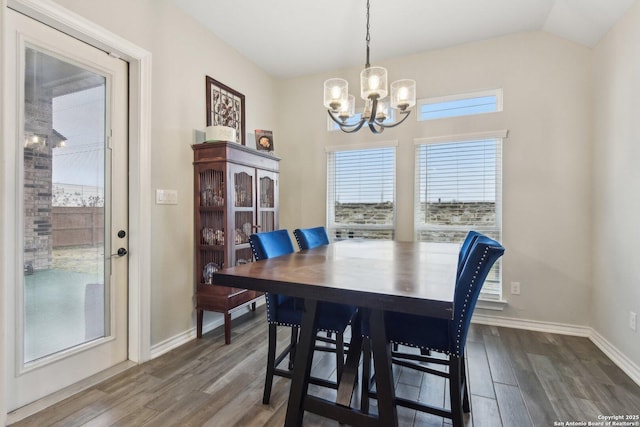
(139, 59)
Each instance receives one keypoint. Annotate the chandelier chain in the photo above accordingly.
(368, 39)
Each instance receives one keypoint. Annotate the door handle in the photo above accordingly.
(121, 252)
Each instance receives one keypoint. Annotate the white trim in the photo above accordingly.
(463, 137)
(488, 304)
(4, 244)
(139, 60)
(622, 361)
(627, 365)
(532, 325)
(191, 334)
(362, 146)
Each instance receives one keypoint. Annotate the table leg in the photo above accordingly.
(302, 365)
(384, 375)
(349, 377)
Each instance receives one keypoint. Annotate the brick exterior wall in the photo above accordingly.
(37, 180)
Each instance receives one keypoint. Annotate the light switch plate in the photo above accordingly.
(166, 197)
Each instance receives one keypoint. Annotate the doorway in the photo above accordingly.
(71, 211)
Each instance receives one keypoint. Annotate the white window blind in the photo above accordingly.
(361, 193)
(459, 188)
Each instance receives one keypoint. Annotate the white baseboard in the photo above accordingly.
(191, 334)
(532, 325)
(628, 366)
(622, 361)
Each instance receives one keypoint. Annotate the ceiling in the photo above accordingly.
(289, 38)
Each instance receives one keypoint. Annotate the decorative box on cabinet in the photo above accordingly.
(235, 194)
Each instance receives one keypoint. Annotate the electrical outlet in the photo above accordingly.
(633, 318)
(515, 288)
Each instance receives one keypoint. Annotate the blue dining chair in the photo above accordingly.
(465, 249)
(308, 238)
(447, 336)
(283, 310)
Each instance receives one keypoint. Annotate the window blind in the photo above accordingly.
(458, 188)
(361, 193)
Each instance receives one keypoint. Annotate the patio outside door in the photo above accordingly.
(71, 306)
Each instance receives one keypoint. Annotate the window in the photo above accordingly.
(458, 188)
(361, 192)
(460, 105)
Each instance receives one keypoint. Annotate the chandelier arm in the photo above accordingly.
(357, 127)
(344, 127)
(375, 130)
(336, 120)
(405, 113)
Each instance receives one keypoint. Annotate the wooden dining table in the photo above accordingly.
(374, 275)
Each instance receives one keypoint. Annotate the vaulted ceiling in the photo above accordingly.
(290, 38)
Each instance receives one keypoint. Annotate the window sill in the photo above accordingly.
(495, 305)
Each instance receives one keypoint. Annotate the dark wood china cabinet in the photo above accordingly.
(235, 194)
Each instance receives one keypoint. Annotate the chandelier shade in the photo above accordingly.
(373, 83)
(374, 89)
(336, 93)
(403, 94)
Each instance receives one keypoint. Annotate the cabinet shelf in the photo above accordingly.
(226, 174)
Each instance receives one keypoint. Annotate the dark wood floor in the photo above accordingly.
(517, 378)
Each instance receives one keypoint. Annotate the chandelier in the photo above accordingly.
(373, 90)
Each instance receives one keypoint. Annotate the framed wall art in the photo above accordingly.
(225, 107)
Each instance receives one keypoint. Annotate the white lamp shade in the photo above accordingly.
(373, 82)
(382, 110)
(403, 94)
(347, 109)
(336, 92)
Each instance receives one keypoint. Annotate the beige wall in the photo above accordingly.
(547, 219)
(616, 175)
(548, 94)
(183, 53)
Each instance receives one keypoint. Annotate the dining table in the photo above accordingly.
(373, 275)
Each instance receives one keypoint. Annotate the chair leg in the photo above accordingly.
(466, 407)
(271, 361)
(455, 389)
(294, 341)
(339, 356)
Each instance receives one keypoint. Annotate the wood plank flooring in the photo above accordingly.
(517, 378)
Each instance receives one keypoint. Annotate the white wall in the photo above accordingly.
(183, 53)
(616, 206)
(547, 218)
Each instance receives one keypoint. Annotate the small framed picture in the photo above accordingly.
(264, 140)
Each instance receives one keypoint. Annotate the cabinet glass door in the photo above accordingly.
(268, 199)
(244, 212)
(212, 229)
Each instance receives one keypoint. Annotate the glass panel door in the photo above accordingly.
(64, 206)
(67, 308)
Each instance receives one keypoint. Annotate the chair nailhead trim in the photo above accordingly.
(466, 300)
